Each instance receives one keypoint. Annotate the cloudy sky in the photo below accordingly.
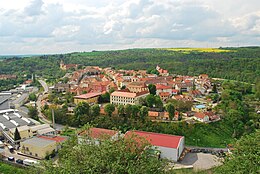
(61, 26)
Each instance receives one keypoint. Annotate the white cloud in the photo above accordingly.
(51, 26)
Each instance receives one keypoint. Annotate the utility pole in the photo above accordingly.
(53, 120)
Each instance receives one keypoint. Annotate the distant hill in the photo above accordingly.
(241, 64)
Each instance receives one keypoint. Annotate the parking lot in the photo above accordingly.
(201, 161)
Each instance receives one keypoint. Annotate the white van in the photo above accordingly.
(2, 145)
(29, 162)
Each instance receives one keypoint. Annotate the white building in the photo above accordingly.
(170, 146)
(126, 97)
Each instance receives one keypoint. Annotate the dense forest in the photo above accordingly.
(242, 64)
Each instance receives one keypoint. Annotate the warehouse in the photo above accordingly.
(170, 146)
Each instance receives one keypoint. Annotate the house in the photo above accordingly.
(61, 87)
(90, 98)
(175, 91)
(212, 116)
(182, 97)
(184, 86)
(163, 88)
(67, 66)
(170, 146)
(200, 116)
(195, 93)
(154, 115)
(125, 97)
(164, 96)
(137, 87)
(203, 76)
(176, 116)
(97, 134)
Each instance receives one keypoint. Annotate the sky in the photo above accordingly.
(62, 26)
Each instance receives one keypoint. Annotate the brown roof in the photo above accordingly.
(99, 133)
(88, 95)
(200, 115)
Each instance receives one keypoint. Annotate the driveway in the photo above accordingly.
(201, 161)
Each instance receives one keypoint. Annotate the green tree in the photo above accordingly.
(214, 89)
(121, 110)
(80, 111)
(109, 109)
(128, 110)
(150, 100)
(158, 102)
(32, 97)
(171, 110)
(95, 110)
(126, 155)
(143, 113)
(152, 89)
(135, 111)
(33, 113)
(104, 98)
(16, 135)
(257, 90)
(245, 157)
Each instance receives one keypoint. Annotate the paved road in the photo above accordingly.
(41, 116)
(44, 85)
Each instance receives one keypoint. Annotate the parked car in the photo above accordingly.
(10, 158)
(2, 138)
(19, 161)
(11, 149)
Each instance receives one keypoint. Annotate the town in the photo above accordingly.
(90, 91)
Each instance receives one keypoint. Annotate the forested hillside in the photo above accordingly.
(241, 64)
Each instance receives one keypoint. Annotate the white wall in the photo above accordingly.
(171, 153)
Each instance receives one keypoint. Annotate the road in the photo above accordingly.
(44, 85)
(39, 105)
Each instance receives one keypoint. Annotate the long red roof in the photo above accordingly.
(157, 139)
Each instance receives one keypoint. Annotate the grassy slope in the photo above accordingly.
(216, 134)
(9, 169)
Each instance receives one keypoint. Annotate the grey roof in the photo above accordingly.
(2, 119)
(4, 98)
(16, 119)
(4, 105)
(39, 142)
(9, 125)
(20, 121)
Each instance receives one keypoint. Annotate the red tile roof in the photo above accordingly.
(88, 95)
(99, 132)
(160, 86)
(164, 94)
(58, 139)
(156, 139)
(199, 115)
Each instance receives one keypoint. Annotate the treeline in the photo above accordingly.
(242, 64)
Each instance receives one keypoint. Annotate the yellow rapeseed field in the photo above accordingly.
(188, 50)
